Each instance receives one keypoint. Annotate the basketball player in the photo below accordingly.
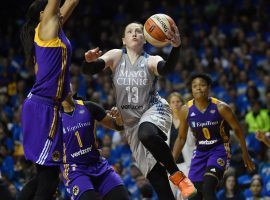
(209, 120)
(49, 51)
(84, 170)
(147, 117)
(175, 101)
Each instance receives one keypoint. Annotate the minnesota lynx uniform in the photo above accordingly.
(138, 101)
(212, 135)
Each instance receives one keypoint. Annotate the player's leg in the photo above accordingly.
(154, 140)
(216, 166)
(159, 180)
(108, 183)
(119, 193)
(48, 179)
(88, 194)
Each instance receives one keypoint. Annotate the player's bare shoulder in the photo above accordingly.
(183, 112)
(223, 107)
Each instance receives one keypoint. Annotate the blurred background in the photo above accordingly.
(226, 38)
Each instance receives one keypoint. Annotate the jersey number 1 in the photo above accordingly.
(78, 138)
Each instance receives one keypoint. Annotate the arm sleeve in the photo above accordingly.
(96, 110)
(93, 67)
(165, 67)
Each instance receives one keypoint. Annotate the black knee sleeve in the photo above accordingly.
(88, 194)
(153, 140)
(210, 183)
(48, 179)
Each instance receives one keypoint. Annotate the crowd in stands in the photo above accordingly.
(228, 39)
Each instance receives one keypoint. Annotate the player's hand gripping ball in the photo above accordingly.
(155, 29)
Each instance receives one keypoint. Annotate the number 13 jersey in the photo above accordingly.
(135, 88)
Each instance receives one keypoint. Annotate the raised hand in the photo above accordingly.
(116, 114)
(92, 54)
(174, 36)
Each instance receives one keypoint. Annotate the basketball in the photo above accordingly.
(155, 29)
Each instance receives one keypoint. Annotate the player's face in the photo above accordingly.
(134, 36)
(200, 88)
(175, 102)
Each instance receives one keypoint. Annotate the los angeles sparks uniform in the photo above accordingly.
(212, 134)
(138, 101)
(84, 168)
(40, 118)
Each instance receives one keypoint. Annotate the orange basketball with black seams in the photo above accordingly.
(155, 29)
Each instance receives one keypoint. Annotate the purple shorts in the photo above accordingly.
(98, 176)
(217, 157)
(42, 131)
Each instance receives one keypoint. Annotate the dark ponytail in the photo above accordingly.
(28, 29)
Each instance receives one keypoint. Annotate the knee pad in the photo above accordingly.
(210, 183)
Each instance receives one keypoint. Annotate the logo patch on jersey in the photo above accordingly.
(56, 156)
(81, 111)
(213, 170)
(73, 167)
(75, 190)
(64, 130)
(192, 114)
(193, 124)
(221, 162)
(142, 65)
(212, 111)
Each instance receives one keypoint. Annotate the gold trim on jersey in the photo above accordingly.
(190, 103)
(54, 122)
(55, 42)
(80, 102)
(95, 134)
(222, 131)
(227, 149)
(62, 75)
(66, 166)
(214, 100)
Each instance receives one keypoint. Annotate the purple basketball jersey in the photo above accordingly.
(80, 145)
(53, 59)
(209, 128)
(84, 169)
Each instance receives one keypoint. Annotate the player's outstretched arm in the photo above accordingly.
(227, 113)
(67, 9)
(182, 132)
(95, 63)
